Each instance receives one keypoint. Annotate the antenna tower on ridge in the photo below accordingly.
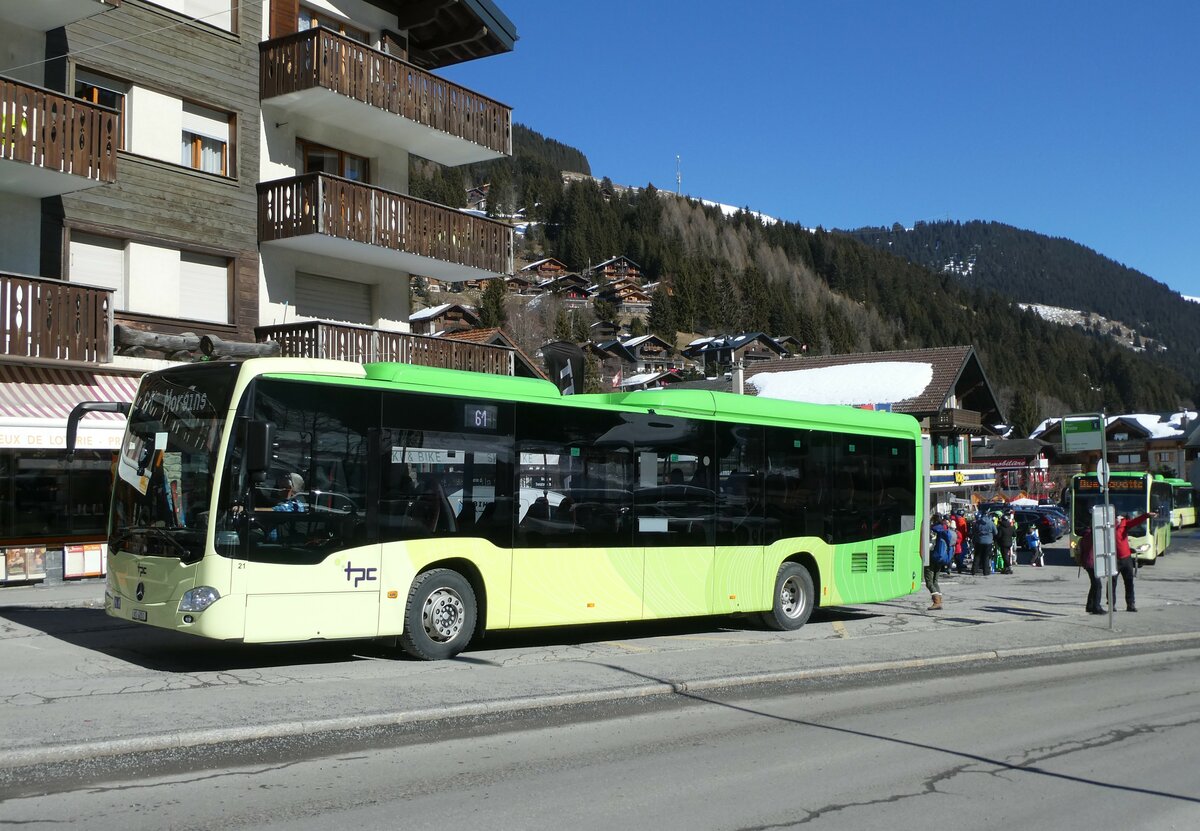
(678, 176)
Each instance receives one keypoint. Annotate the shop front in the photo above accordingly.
(53, 514)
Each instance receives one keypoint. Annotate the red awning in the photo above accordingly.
(35, 402)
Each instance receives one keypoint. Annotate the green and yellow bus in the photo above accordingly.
(282, 500)
(1183, 503)
(1132, 494)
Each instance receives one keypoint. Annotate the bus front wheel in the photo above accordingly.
(794, 598)
(440, 619)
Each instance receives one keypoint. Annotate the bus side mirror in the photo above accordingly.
(260, 446)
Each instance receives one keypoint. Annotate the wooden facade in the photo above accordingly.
(153, 201)
(617, 268)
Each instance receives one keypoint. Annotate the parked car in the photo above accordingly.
(1060, 517)
(1048, 530)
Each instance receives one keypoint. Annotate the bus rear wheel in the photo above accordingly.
(440, 619)
(794, 599)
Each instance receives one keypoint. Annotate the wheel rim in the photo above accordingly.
(791, 597)
(443, 615)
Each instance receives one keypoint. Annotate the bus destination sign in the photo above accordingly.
(1115, 483)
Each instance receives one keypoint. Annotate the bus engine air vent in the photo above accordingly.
(858, 562)
(885, 558)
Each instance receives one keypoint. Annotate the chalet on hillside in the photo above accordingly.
(718, 354)
(519, 284)
(477, 197)
(447, 317)
(625, 294)
(616, 268)
(571, 288)
(545, 269)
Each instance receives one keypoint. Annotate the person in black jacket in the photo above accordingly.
(1005, 534)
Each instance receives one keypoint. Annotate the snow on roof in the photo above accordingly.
(699, 341)
(1157, 426)
(861, 383)
(638, 341)
(432, 311)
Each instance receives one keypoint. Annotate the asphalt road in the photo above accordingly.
(1104, 743)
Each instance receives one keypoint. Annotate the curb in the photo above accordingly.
(171, 741)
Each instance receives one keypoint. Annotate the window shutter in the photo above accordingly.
(324, 298)
(284, 17)
(99, 261)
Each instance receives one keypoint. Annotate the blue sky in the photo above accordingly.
(1073, 119)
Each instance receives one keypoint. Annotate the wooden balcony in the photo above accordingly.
(329, 216)
(51, 144)
(54, 320)
(344, 93)
(362, 344)
(954, 420)
(44, 15)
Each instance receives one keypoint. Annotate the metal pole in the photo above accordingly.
(1107, 479)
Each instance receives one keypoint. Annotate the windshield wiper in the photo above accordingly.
(181, 550)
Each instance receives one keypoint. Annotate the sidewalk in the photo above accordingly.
(78, 684)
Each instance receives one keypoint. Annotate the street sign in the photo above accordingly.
(1104, 533)
(1102, 474)
(1082, 433)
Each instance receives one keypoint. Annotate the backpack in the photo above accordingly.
(984, 530)
(940, 552)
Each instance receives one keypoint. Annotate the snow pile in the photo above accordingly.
(861, 383)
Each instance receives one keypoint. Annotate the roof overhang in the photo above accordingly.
(446, 32)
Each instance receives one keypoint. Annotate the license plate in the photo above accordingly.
(139, 614)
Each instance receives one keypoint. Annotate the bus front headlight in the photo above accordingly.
(1142, 549)
(198, 599)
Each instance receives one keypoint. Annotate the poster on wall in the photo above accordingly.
(25, 563)
(84, 560)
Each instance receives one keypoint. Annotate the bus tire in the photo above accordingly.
(794, 599)
(440, 618)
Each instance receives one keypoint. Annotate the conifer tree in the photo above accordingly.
(491, 311)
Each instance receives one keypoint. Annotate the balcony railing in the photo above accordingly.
(317, 203)
(958, 420)
(362, 344)
(323, 58)
(55, 319)
(50, 130)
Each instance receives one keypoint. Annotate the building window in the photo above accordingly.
(1129, 458)
(317, 158)
(205, 142)
(219, 13)
(311, 19)
(153, 279)
(106, 92)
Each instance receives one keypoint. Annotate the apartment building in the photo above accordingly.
(223, 168)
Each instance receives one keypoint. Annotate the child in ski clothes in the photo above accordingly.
(985, 534)
(1005, 532)
(1033, 541)
(952, 539)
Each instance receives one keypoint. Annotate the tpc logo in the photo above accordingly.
(358, 575)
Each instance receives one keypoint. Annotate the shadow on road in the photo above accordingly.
(162, 650)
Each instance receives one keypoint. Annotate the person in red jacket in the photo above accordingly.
(1125, 557)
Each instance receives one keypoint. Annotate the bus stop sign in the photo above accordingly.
(1081, 434)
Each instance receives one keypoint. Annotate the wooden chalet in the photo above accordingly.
(625, 294)
(1157, 442)
(545, 269)
(718, 354)
(616, 268)
(523, 365)
(447, 317)
(519, 284)
(955, 403)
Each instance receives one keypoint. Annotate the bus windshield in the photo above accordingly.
(165, 469)
(1127, 496)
